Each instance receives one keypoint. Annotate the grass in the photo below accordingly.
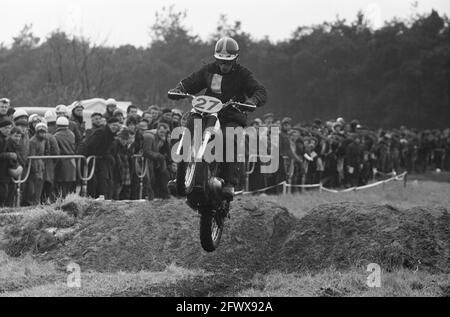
(109, 284)
(352, 283)
(23, 272)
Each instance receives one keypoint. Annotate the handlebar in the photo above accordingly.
(242, 106)
(236, 105)
(179, 95)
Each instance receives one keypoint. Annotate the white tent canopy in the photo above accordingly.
(99, 105)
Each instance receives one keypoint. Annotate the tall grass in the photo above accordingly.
(350, 283)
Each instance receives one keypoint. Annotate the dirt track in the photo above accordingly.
(260, 237)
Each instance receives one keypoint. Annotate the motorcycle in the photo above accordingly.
(198, 179)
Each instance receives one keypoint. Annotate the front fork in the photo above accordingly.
(210, 125)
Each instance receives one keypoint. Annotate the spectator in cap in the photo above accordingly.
(99, 144)
(353, 125)
(20, 114)
(111, 105)
(268, 119)
(36, 179)
(286, 120)
(122, 171)
(119, 115)
(276, 123)
(61, 110)
(96, 118)
(65, 169)
(177, 114)
(4, 107)
(50, 118)
(78, 119)
(33, 120)
(337, 128)
(257, 123)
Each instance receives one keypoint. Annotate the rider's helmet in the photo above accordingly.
(226, 49)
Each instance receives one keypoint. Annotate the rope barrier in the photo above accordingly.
(259, 190)
(395, 178)
(286, 185)
(304, 186)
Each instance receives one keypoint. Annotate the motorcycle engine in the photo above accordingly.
(215, 186)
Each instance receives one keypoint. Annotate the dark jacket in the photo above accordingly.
(22, 150)
(77, 132)
(154, 148)
(51, 148)
(238, 84)
(81, 125)
(65, 169)
(98, 143)
(5, 161)
(37, 148)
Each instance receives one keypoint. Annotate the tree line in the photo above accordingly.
(396, 75)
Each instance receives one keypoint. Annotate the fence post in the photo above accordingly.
(18, 198)
(142, 167)
(84, 180)
(284, 188)
(141, 187)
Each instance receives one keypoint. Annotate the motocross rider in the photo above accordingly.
(225, 79)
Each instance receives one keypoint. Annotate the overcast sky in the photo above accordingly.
(118, 22)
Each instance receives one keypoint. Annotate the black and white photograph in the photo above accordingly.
(224, 155)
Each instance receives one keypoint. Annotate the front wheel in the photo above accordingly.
(211, 227)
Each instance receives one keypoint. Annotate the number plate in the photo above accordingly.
(207, 104)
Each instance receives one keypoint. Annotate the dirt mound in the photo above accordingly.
(348, 234)
(261, 236)
(149, 236)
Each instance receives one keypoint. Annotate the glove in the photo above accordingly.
(175, 91)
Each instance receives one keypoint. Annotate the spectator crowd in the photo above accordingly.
(334, 152)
